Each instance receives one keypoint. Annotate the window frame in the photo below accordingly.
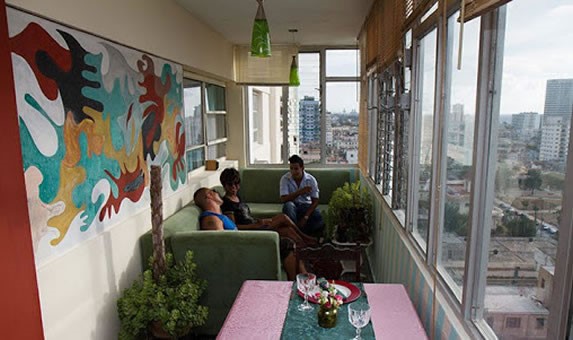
(321, 50)
(204, 116)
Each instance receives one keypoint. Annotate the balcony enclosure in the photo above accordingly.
(457, 115)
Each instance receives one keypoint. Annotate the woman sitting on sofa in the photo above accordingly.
(240, 213)
(213, 219)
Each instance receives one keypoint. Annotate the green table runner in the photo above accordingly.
(304, 325)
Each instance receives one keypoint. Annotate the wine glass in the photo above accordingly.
(359, 316)
(305, 283)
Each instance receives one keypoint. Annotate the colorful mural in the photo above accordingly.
(93, 117)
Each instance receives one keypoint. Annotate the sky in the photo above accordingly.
(538, 47)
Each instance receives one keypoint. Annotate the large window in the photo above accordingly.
(388, 118)
(205, 122)
(317, 120)
(533, 120)
(265, 125)
(489, 143)
(461, 87)
(422, 186)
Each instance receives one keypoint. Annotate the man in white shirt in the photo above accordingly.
(299, 193)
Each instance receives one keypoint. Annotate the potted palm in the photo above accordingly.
(164, 301)
(348, 218)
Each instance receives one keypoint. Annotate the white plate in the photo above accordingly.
(345, 292)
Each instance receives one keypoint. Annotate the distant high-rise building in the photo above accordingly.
(556, 123)
(555, 138)
(456, 125)
(525, 124)
(309, 120)
(559, 97)
(460, 135)
(329, 136)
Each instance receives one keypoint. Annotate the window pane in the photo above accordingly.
(342, 63)
(342, 122)
(216, 127)
(265, 125)
(217, 151)
(304, 119)
(193, 113)
(460, 103)
(537, 78)
(215, 98)
(427, 63)
(195, 158)
(372, 123)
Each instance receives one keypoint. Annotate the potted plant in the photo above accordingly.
(164, 301)
(348, 218)
(167, 307)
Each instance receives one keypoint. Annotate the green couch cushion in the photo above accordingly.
(262, 185)
(268, 210)
(226, 259)
(185, 219)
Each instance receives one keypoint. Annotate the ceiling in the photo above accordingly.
(319, 22)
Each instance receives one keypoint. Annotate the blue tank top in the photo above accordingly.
(228, 224)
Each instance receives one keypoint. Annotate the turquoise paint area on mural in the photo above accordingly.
(48, 166)
(115, 104)
(94, 167)
(175, 99)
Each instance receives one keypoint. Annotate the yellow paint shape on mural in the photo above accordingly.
(38, 211)
(168, 128)
(71, 177)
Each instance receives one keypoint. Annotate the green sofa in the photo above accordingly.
(260, 187)
(227, 258)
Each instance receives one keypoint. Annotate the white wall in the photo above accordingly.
(160, 27)
(79, 290)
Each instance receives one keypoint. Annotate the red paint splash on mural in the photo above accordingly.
(154, 113)
(130, 186)
(180, 151)
(43, 47)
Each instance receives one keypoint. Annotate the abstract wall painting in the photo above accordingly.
(94, 116)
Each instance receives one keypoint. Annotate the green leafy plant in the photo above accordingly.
(171, 301)
(348, 218)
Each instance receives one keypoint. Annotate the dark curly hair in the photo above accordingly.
(230, 176)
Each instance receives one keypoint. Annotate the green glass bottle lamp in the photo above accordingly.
(294, 80)
(261, 38)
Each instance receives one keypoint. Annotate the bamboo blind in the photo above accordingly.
(475, 8)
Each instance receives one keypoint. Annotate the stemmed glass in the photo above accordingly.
(359, 316)
(305, 283)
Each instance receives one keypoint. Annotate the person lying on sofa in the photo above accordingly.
(240, 213)
(212, 218)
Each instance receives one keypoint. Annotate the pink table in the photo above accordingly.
(260, 309)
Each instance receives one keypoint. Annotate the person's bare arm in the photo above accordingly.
(293, 195)
(211, 223)
(308, 212)
(257, 225)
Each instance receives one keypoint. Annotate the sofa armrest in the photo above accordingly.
(226, 259)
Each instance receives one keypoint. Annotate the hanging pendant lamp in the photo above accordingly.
(294, 80)
(261, 38)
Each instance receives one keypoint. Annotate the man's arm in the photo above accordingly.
(293, 195)
(308, 212)
(211, 223)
